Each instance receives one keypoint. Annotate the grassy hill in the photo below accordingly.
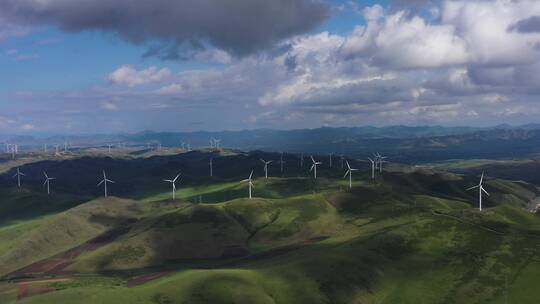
(410, 236)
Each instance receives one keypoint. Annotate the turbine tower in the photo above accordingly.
(281, 162)
(376, 159)
(48, 182)
(373, 166)
(211, 163)
(381, 161)
(250, 183)
(331, 154)
(302, 160)
(480, 190)
(349, 173)
(104, 181)
(266, 163)
(173, 182)
(18, 176)
(314, 167)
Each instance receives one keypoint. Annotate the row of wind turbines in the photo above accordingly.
(376, 164)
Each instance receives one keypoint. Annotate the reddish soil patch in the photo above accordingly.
(146, 278)
(28, 289)
(57, 265)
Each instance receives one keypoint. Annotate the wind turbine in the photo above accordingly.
(342, 157)
(110, 146)
(381, 161)
(480, 190)
(331, 154)
(104, 181)
(18, 176)
(211, 163)
(376, 157)
(302, 160)
(373, 166)
(266, 163)
(281, 162)
(349, 173)
(314, 166)
(48, 182)
(173, 182)
(250, 183)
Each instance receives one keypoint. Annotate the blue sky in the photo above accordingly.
(68, 69)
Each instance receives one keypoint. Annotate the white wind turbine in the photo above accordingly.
(250, 183)
(18, 176)
(211, 163)
(349, 173)
(331, 155)
(48, 182)
(381, 161)
(110, 146)
(173, 182)
(314, 166)
(281, 162)
(373, 166)
(104, 181)
(480, 190)
(342, 157)
(376, 159)
(266, 163)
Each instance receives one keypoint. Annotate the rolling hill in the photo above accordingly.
(410, 236)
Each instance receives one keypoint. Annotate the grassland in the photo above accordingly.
(409, 237)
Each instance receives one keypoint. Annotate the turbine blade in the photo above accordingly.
(483, 190)
(251, 174)
(481, 178)
(101, 182)
(471, 188)
(347, 173)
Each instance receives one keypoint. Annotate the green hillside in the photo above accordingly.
(410, 236)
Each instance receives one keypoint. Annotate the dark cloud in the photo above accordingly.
(529, 25)
(239, 27)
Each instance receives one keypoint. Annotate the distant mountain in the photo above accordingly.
(403, 143)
